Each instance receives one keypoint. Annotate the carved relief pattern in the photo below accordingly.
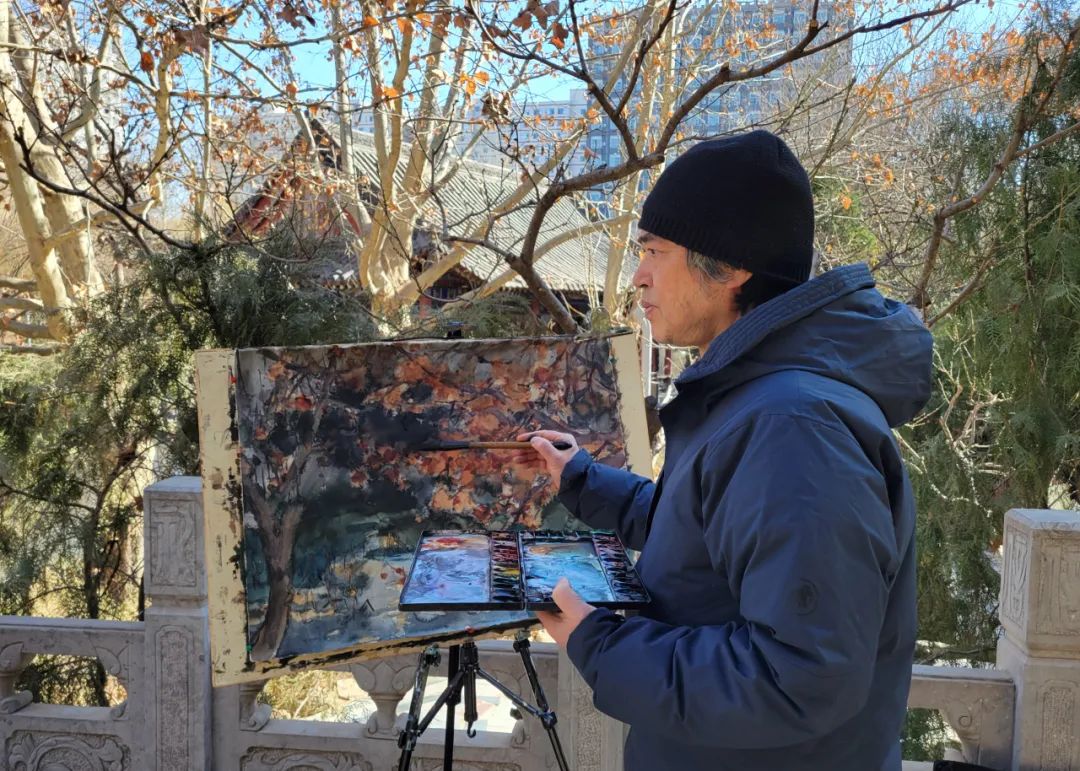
(386, 681)
(12, 658)
(33, 751)
(586, 749)
(12, 662)
(1059, 589)
(172, 543)
(115, 662)
(1059, 742)
(1016, 574)
(172, 689)
(436, 764)
(270, 759)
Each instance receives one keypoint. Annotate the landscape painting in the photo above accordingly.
(334, 486)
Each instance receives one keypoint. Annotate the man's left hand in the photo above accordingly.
(572, 611)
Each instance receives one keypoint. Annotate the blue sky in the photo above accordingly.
(314, 68)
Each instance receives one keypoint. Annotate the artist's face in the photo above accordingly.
(684, 307)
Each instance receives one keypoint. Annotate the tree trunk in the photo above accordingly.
(203, 220)
(34, 225)
(75, 249)
(277, 542)
(386, 254)
(272, 632)
(345, 130)
(619, 237)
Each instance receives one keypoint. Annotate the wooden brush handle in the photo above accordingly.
(512, 445)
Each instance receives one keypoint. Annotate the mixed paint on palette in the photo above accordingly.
(544, 563)
(335, 493)
(503, 569)
(452, 570)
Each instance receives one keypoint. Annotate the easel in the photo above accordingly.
(463, 667)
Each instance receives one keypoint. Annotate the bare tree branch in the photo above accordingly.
(18, 284)
(22, 304)
(36, 350)
(38, 331)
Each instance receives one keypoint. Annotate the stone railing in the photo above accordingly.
(1023, 715)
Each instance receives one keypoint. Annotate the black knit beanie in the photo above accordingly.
(744, 200)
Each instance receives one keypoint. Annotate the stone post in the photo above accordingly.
(1040, 613)
(386, 681)
(592, 740)
(177, 631)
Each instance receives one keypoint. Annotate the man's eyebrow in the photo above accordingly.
(645, 237)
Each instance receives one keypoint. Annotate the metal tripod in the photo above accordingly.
(463, 667)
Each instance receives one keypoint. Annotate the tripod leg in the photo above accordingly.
(407, 737)
(472, 664)
(556, 745)
(453, 665)
(416, 725)
(521, 645)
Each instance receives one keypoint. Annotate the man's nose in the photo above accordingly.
(639, 278)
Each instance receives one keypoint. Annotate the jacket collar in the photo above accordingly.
(776, 314)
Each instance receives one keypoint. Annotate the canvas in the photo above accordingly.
(316, 491)
(502, 569)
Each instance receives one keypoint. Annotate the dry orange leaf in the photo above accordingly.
(523, 20)
(558, 35)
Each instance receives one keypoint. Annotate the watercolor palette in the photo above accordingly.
(517, 570)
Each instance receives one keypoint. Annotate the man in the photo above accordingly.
(778, 542)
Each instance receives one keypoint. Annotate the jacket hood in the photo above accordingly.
(836, 325)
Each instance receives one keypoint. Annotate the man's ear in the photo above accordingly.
(737, 278)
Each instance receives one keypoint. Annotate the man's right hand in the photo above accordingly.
(544, 454)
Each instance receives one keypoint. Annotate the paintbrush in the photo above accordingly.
(466, 445)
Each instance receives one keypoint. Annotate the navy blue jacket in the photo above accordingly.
(777, 545)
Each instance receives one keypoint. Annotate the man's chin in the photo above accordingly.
(661, 335)
(671, 341)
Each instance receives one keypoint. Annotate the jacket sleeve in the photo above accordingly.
(607, 498)
(798, 520)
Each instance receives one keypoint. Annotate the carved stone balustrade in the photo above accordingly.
(52, 735)
(977, 703)
(1022, 716)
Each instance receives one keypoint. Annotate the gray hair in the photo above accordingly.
(715, 270)
(707, 267)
